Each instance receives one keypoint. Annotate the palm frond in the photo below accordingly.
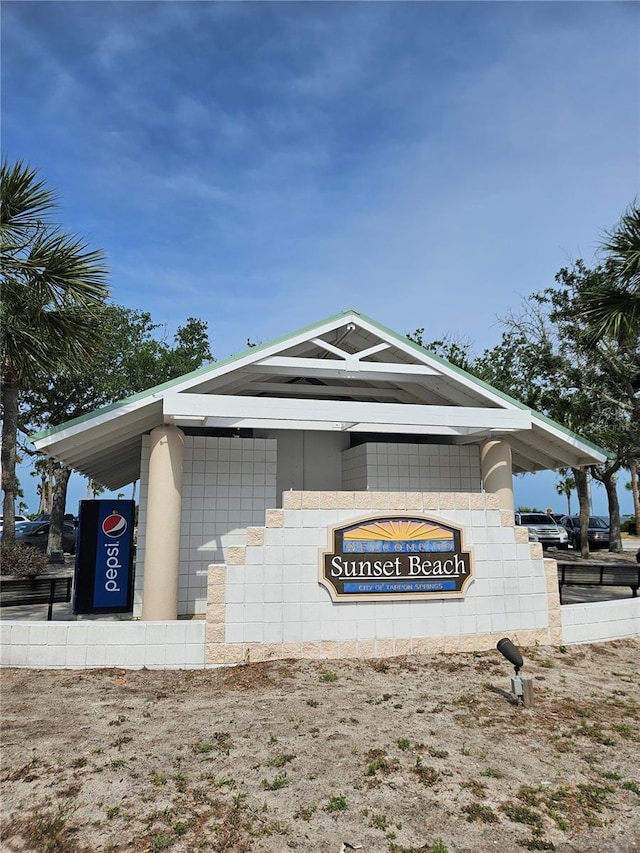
(25, 201)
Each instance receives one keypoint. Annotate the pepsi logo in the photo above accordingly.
(114, 525)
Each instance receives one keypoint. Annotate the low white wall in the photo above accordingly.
(600, 620)
(86, 645)
(181, 645)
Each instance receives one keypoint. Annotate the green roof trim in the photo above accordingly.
(282, 339)
(164, 386)
(482, 384)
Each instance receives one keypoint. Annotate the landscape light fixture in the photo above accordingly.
(521, 687)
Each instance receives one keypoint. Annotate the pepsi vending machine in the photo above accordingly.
(103, 578)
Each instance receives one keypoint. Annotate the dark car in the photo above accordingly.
(597, 534)
(36, 534)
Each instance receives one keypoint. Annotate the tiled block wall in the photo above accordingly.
(354, 469)
(83, 645)
(267, 602)
(228, 484)
(381, 467)
(601, 620)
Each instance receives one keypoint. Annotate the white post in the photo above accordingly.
(497, 476)
(162, 537)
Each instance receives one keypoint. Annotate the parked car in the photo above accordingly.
(36, 535)
(597, 534)
(17, 518)
(548, 533)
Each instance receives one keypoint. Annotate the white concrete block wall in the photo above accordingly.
(85, 645)
(275, 596)
(383, 466)
(228, 484)
(354, 469)
(600, 620)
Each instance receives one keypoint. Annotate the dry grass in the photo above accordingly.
(401, 755)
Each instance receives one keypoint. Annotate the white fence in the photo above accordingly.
(601, 620)
(85, 645)
(181, 645)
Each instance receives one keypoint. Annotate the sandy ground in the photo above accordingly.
(409, 754)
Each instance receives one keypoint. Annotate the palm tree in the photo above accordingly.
(611, 304)
(52, 285)
(565, 486)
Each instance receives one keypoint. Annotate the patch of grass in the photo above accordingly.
(492, 773)
(305, 812)
(625, 731)
(426, 774)
(466, 701)
(112, 811)
(45, 829)
(337, 804)
(158, 779)
(281, 760)
(477, 788)
(378, 761)
(437, 753)
(328, 675)
(115, 763)
(595, 733)
(203, 748)
(530, 796)
(181, 782)
(536, 844)
(480, 812)
(438, 846)
(404, 743)
(161, 842)
(279, 781)
(632, 786)
(379, 821)
(610, 774)
(522, 814)
(594, 797)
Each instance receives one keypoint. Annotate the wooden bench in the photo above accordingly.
(43, 589)
(599, 574)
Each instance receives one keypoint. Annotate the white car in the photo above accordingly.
(18, 518)
(550, 534)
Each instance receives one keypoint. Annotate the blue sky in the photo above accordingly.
(264, 165)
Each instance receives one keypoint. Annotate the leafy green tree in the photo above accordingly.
(133, 354)
(52, 288)
(549, 360)
(457, 352)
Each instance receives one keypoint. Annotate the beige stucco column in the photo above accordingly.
(496, 464)
(162, 538)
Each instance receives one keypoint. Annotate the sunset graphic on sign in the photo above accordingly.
(397, 529)
(398, 556)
